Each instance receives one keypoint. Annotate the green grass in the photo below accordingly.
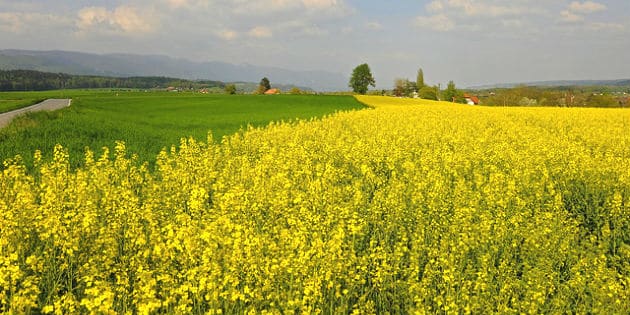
(7, 105)
(149, 122)
(15, 100)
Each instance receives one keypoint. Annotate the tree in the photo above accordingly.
(230, 89)
(428, 93)
(420, 80)
(400, 87)
(361, 79)
(451, 94)
(265, 84)
(404, 87)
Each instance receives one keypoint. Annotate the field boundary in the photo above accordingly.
(50, 104)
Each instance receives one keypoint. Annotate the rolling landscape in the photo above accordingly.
(127, 65)
(193, 157)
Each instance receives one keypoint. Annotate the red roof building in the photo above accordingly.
(471, 99)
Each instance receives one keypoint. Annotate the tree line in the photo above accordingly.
(361, 79)
(569, 96)
(30, 80)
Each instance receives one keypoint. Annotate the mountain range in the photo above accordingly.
(128, 65)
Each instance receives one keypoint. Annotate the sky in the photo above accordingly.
(472, 42)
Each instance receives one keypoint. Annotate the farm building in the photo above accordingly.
(272, 91)
(471, 99)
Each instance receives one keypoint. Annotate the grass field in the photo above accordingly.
(148, 122)
(15, 100)
(7, 105)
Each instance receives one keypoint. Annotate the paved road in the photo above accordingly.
(49, 104)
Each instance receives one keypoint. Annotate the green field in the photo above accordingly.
(15, 100)
(149, 122)
(17, 103)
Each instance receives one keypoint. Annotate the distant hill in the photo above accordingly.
(127, 65)
(610, 83)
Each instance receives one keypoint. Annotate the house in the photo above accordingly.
(272, 91)
(471, 99)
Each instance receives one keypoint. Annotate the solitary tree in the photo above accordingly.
(265, 84)
(420, 80)
(361, 78)
(230, 89)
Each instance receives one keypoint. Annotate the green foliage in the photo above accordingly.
(264, 82)
(400, 86)
(602, 100)
(553, 96)
(230, 89)
(28, 80)
(148, 122)
(404, 87)
(361, 78)
(428, 93)
(420, 80)
(451, 94)
(296, 91)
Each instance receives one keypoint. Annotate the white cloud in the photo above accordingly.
(24, 22)
(11, 22)
(476, 8)
(262, 7)
(374, 26)
(512, 23)
(177, 3)
(123, 19)
(478, 15)
(129, 19)
(570, 17)
(322, 4)
(576, 10)
(347, 30)
(606, 26)
(260, 32)
(586, 7)
(91, 16)
(314, 31)
(435, 6)
(439, 22)
(227, 34)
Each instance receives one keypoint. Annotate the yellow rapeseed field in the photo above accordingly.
(410, 207)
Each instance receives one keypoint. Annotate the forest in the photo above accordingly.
(29, 80)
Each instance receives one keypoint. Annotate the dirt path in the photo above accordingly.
(49, 104)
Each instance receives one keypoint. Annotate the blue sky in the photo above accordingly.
(472, 42)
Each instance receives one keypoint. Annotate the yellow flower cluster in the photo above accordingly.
(409, 207)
